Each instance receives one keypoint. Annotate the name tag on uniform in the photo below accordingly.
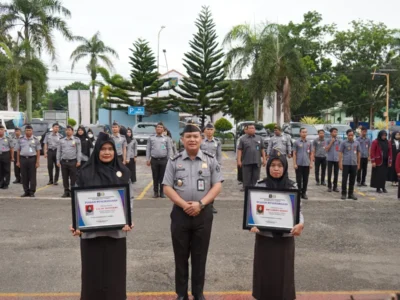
(163, 147)
(257, 147)
(201, 185)
(30, 149)
(337, 148)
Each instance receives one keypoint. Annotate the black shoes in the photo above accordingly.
(50, 182)
(32, 195)
(330, 190)
(343, 197)
(5, 187)
(214, 210)
(16, 181)
(65, 195)
(363, 184)
(55, 183)
(304, 196)
(25, 195)
(359, 184)
(352, 197)
(155, 195)
(379, 191)
(199, 297)
(336, 190)
(317, 183)
(182, 297)
(162, 195)
(384, 190)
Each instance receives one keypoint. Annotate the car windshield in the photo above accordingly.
(259, 127)
(310, 130)
(9, 123)
(144, 128)
(42, 127)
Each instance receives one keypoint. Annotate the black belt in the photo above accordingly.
(27, 157)
(68, 160)
(2, 152)
(52, 149)
(159, 158)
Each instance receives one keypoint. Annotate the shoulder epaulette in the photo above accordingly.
(176, 156)
(209, 154)
(216, 139)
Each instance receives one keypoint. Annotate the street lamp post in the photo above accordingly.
(158, 50)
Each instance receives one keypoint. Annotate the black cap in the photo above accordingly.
(191, 127)
(28, 126)
(55, 124)
(209, 125)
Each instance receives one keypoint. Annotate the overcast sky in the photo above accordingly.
(121, 22)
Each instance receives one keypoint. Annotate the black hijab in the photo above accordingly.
(82, 137)
(97, 173)
(129, 138)
(384, 145)
(278, 183)
(393, 136)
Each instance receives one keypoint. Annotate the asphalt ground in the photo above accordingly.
(347, 248)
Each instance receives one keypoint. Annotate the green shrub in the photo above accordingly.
(270, 126)
(223, 125)
(71, 122)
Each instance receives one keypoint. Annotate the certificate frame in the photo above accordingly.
(124, 198)
(248, 219)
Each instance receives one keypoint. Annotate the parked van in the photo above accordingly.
(11, 119)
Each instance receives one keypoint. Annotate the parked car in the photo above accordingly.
(141, 132)
(39, 130)
(293, 129)
(342, 128)
(97, 128)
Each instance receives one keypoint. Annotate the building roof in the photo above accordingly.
(171, 71)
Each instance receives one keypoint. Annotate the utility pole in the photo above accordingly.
(158, 52)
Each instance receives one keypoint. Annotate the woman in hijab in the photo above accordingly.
(381, 159)
(273, 274)
(90, 135)
(395, 144)
(131, 154)
(103, 253)
(86, 145)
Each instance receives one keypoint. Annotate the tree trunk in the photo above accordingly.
(278, 107)
(28, 83)
(256, 109)
(286, 101)
(371, 117)
(94, 104)
(140, 118)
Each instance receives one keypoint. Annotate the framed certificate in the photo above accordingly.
(99, 209)
(271, 210)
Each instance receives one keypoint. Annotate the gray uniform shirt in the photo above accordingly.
(52, 140)
(212, 146)
(28, 146)
(365, 144)
(158, 146)
(184, 174)
(319, 147)
(69, 149)
(132, 150)
(14, 141)
(6, 144)
(333, 152)
(350, 150)
(303, 151)
(251, 147)
(120, 143)
(281, 143)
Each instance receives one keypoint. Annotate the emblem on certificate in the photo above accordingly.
(271, 210)
(100, 209)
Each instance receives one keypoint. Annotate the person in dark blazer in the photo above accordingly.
(395, 143)
(381, 159)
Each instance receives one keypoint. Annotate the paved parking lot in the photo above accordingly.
(348, 247)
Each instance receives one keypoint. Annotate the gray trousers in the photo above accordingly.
(251, 174)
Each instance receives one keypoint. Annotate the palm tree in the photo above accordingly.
(18, 69)
(245, 54)
(36, 21)
(276, 65)
(97, 51)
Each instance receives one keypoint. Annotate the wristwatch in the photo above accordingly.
(201, 205)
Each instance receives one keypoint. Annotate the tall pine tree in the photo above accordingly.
(142, 88)
(202, 92)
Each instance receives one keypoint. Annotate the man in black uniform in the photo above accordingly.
(192, 181)
(28, 159)
(6, 156)
(17, 170)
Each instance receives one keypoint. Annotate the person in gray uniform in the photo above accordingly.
(349, 163)
(192, 180)
(365, 146)
(211, 145)
(17, 170)
(239, 168)
(69, 159)
(6, 157)
(28, 159)
(319, 154)
(131, 154)
(158, 151)
(279, 142)
(250, 151)
(120, 142)
(51, 141)
(332, 149)
(302, 161)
